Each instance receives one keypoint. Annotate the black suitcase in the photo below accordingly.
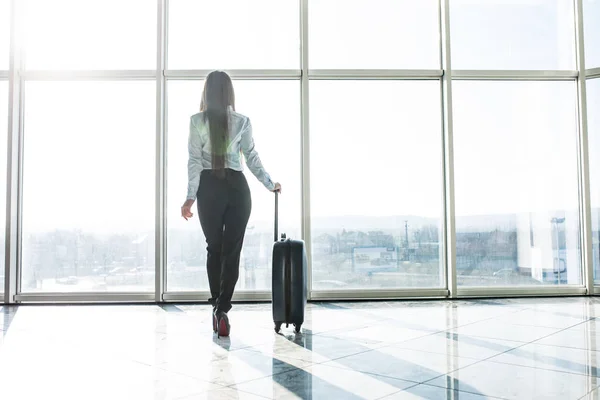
(289, 279)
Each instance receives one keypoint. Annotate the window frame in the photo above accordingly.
(16, 76)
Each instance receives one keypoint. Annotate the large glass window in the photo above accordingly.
(512, 34)
(273, 108)
(88, 194)
(4, 33)
(593, 105)
(591, 24)
(93, 35)
(234, 34)
(516, 183)
(3, 142)
(376, 187)
(402, 34)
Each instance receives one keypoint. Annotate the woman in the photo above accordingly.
(218, 137)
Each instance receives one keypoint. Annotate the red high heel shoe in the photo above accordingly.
(223, 326)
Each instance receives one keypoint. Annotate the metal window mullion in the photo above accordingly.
(266, 74)
(14, 164)
(583, 156)
(514, 75)
(201, 296)
(160, 239)
(378, 294)
(496, 291)
(305, 140)
(85, 297)
(449, 220)
(388, 74)
(593, 73)
(89, 75)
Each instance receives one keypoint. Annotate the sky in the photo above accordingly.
(375, 146)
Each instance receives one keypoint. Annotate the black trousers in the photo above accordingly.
(224, 206)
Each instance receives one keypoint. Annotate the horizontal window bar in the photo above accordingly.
(513, 75)
(4, 75)
(332, 74)
(236, 74)
(371, 294)
(39, 75)
(328, 74)
(521, 291)
(262, 296)
(98, 297)
(593, 73)
(202, 297)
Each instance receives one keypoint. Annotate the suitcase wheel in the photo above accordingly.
(297, 327)
(277, 327)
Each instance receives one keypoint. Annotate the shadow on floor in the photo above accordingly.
(8, 315)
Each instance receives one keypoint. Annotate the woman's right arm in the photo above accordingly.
(253, 160)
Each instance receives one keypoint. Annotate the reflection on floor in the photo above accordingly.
(513, 349)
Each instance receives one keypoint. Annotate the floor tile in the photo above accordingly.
(223, 394)
(316, 348)
(78, 379)
(580, 337)
(555, 358)
(240, 366)
(324, 382)
(379, 333)
(478, 348)
(594, 394)
(516, 382)
(498, 330)
(394, 362)
(424, 391)
(542, 318)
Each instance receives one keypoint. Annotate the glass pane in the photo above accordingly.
(591, 24)
(3, 140)
(376, 189)
(517, 220)
(512, 34)
(108, 34)
(383, 34)
(88, 194)
(234, 34)
(593, 105)
(274, 109)
(4, 33)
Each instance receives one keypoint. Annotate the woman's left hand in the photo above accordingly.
(186, 209)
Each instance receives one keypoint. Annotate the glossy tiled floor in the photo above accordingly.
(513, 349)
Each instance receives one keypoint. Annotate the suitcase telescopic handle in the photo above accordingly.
(276, 215)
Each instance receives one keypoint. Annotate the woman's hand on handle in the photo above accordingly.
(186, 209)
(277, 188)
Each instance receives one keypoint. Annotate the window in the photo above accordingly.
(273, 107)
(593, 104)
(516, 172)
(88, 194)
(234, 34)
(92, 35)
(3, 142)
(376, 188)
(4, 33)
(513, 34)
(591, 24)
(401, 34)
